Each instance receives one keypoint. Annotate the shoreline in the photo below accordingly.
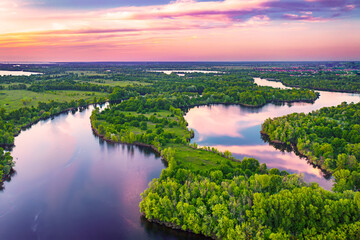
(170, 225)
(29, 125)
(101, 136)
(166, 224)
(294, 149)
(9, 147)
(176, 227)
(248, 105)
(312, 88)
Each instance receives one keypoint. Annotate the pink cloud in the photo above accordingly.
(305, 18)
(188, 8)
(350, 7)
(223, 30)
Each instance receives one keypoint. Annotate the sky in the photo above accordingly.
(180, 30)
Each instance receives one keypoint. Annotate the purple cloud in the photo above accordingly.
(319, 9)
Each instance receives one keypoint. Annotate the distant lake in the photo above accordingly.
(181, 72)
(237, 129)
(16, 73)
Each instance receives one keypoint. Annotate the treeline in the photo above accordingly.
(332, 81)
(259, 206)
(228, 88)
(116, 93)
(188, 99)
(7, 79)
(41, 86)
(232, 88)
(12, 122)
(329, 137)
(236, 88)
(256, 96)
(6, 164)
(14, 86)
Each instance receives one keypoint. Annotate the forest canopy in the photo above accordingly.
(203, 190)
(329, 137)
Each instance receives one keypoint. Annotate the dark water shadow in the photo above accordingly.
(288, 148)
(158, 231)
(7, 179)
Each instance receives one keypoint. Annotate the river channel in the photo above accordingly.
(237, 129)
(69, 184)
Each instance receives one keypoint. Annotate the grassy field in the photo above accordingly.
(14, 99)
(197, 159)
(161, 113)
(98, 81)
(87, 73)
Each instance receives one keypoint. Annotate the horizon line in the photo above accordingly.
(184, 61)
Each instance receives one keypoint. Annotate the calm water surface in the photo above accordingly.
(237, 129)
(17, 73)
(180, 72)
(70, 185)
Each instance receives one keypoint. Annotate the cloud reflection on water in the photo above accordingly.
(236, 128)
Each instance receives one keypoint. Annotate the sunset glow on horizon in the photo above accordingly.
(182, 30)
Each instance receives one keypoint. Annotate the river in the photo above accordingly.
(69, 184)
(237, 129)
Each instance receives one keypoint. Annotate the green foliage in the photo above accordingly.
(206, 191)
(15, 99)
(330, 137)
(242, 207)
(129, 125)
(6, 163)
(13, 121)
(41, 86)
(203, 190)
(340, 80)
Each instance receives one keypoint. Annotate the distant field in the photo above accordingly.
(5, 85)
(118, 83)
(87, 73)
(14, 99)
